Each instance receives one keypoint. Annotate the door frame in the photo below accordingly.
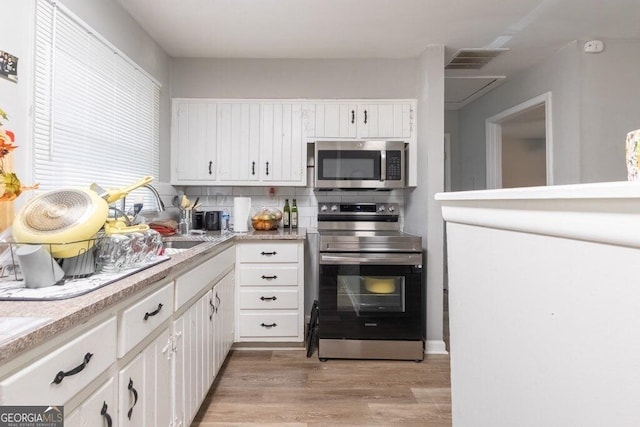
(493, 127)
(447, 161)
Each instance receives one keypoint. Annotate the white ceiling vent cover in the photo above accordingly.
(472, 58)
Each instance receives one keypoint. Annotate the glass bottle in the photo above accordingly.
(286, 214)
(294, 215)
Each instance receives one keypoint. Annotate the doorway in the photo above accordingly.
(519, 145)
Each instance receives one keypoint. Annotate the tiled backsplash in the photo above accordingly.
(221, 198)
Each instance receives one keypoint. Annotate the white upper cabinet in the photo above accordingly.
(360, 120)
(282, 145)
(264, 142)
(332, 120)
(193, 147)
(238, 141)
(385, 121)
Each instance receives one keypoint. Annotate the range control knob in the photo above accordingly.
(323, 208)
(391, 208)
(334, 208)
(381, 208)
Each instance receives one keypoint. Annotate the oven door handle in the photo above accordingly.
(379, 259)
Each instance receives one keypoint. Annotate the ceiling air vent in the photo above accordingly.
(473, 58)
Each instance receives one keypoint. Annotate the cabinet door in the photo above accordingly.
(282, 144)
(193, 145)
(190, 378)
(238, 140)
(132, 394)
(157, 382)
(332, 120)
(98, 410)
(384, 120)
(229, 312)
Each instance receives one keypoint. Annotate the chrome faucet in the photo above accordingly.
(155, 193)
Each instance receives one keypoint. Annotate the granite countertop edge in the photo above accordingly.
(67, 313)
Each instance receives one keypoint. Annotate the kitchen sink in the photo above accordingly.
(182, 244)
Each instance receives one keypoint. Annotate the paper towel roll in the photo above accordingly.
(241, 209)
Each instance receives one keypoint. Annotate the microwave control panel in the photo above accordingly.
(394, 165)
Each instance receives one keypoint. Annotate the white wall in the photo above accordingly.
(452, 127)
(14, 97)
(294, 78)
(422, 212)
(558, 74)
(610, 107)
(524, 162)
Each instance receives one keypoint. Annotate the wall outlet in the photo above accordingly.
(594, 46)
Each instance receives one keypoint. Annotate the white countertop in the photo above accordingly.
(603, 212)
(601, 190)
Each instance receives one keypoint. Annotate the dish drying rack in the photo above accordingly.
(83, 275)
(84, 260)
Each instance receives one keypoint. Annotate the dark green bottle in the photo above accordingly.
(286, 214)
(294, 215)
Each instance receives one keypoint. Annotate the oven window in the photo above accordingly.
(348, 165)
(371, 294)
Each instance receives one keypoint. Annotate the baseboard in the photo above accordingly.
(435, 347)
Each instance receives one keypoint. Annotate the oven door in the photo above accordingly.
(376, 297)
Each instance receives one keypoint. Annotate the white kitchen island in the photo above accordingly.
(544, 305)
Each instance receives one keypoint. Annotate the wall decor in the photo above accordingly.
(8, 66)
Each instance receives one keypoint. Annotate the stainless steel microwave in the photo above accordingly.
(360, 164)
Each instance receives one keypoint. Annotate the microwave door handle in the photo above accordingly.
(383, 165)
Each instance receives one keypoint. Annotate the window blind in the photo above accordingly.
(96, 114)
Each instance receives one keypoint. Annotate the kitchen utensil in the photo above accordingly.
(38, 268)
(111, 195)
(175, 201)
(67, 219)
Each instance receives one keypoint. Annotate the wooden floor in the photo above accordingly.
(285, 388)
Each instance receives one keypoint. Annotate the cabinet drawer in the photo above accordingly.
(268, 275)
(34, 384)
(189, 284)
(139, 320)
(267, 324)
(268, 252)
(266, 299)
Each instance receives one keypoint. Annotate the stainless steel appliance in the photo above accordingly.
(371, 296)
(360, 164)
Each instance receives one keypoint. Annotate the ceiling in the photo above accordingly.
(530, 29)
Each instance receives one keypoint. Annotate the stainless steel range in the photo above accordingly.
(371, 296)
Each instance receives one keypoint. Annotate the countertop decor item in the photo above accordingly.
(633, 155)
(10, 186)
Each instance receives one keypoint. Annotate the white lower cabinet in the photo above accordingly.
(59, 375)
(145, 386)
(98, 410)
(270, 276)
(151, 363)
